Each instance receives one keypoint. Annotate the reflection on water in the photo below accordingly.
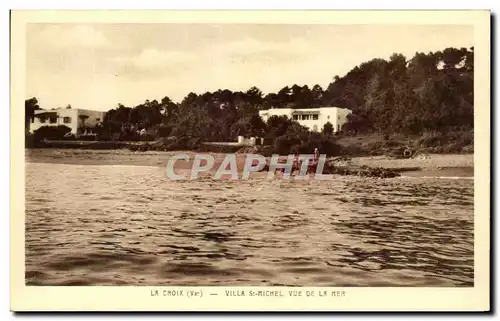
(95, 225)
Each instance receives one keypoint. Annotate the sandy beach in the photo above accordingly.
(432, 165)
(428, 165)
(430, 161)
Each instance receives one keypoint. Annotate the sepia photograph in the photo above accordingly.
(256, 156)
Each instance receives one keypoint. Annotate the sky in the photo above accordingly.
(97, 66)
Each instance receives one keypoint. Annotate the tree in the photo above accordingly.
(82, 119)
(250, 126)
(376, 104)
(356, 124)
(168, 107)
(283, 97)
(30, 105)
(254, 96)
(317, 95)
(328, 129)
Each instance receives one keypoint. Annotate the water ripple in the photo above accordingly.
(105, 225)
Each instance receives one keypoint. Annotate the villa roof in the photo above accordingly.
(46, 114)
(306, 111)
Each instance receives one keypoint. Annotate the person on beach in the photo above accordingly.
(314, 164)
(296, 164)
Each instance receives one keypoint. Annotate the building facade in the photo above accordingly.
(79, 120)
(312, 118)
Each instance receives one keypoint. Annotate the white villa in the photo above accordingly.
(78, 120)
(312, 118)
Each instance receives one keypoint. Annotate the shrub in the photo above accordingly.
(352, 150)
(146, 138)
(182, 143)
(129, 136)
(133, 148)
(29, 140)
(328, 129)
(51, 133)
(391, 143)
(464, 138)
(468, 149)
(164, 130)
(305, 143)
(445, 142)
(430, 139)
(86, 138)
(285, 144)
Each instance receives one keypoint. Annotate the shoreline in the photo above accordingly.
(430, 165)
(436, 165)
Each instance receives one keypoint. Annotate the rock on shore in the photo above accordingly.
(361, 171)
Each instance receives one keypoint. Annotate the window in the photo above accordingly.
(295, 117)
(328, 117)
(67, 120)
(305, 117)
(42, 120)
(53, 120)
(315, 117)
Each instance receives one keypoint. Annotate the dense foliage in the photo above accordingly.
(51, 132)
(430, 92)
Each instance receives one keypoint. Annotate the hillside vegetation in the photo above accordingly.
(424, 103)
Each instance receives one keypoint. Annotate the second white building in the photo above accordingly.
(312, 118)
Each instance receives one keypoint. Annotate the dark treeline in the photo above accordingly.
(430, 92)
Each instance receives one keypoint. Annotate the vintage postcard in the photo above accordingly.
(250, 161)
